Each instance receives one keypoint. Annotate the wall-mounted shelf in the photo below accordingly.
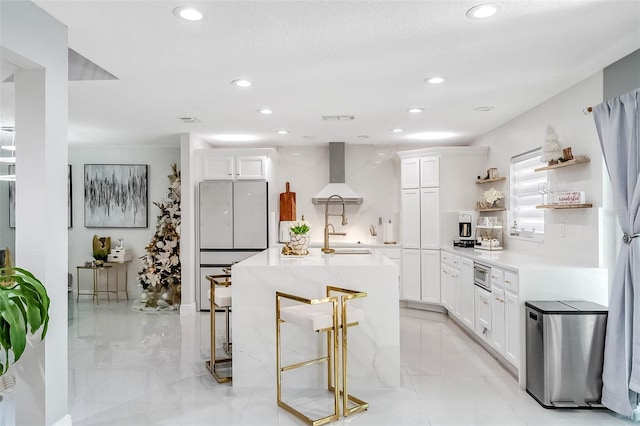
(577, 160)
(565, 206)
(492, 209)
(481, 181)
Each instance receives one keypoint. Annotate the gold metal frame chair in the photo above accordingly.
(331, 357)
(222, 281)
(341, 322)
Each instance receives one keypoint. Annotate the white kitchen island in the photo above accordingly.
(374, 345)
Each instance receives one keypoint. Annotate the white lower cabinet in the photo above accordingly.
(497, 320)
(482, 313)
(430, 285)
(467, 290)
(411, 274)
(444, 285)
(512, 317)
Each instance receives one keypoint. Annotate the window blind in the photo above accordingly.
(525, 185)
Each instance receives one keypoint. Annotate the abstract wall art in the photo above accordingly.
(115, 196)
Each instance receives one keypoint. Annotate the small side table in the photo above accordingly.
(124, 264)
(96, 275)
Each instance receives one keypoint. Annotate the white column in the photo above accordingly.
(37, 44)
(188, 255)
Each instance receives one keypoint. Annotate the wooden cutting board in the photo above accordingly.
(287, 205)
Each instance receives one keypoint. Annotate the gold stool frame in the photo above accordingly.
(331, 358)
(220, 280)
(347, 295)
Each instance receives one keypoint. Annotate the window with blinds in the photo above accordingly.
(527, 221)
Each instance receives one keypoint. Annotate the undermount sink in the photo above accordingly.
(353, 251)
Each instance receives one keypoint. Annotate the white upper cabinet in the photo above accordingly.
(429, 172)
(410, 173)
(218, 167)
(410, 200)
(430, 218)
(231, 167)
(251, 167)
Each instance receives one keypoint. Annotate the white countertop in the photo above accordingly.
(273, 257)
(513, 259)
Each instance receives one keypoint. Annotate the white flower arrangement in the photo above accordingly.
(299, 227)
(492, 195)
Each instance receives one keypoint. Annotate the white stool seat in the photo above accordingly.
(316, 317)
(223, 297)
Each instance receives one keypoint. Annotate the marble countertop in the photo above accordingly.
(348, 244)
(273, 257)
(513, 259)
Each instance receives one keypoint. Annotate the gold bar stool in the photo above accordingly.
(349, 317)
(220, 298)
(320, 315)
(316, 314)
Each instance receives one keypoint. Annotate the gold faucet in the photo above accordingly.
(325, 248)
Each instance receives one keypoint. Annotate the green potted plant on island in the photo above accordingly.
(299, 238)
(24, 309)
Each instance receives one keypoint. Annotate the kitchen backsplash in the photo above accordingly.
(370, 171)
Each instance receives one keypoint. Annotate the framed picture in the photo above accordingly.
(115, 196)
(12, 199)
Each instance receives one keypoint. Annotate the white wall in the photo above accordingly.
(373, 172)
(159, 161)
(564, 112)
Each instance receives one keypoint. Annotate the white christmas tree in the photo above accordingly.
(160, 272)
(551, 150)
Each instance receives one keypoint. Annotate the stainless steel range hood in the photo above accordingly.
(336, 184)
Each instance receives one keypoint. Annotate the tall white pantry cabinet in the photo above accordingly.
(435, 182)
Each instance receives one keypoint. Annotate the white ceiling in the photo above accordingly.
(313, 58)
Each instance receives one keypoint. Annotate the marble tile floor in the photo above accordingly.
(135, 368)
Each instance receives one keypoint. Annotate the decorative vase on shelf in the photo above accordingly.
(299, 244)
(101, 247)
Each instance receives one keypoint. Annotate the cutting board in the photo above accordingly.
(287, 205)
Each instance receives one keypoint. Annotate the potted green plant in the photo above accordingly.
(24, 308)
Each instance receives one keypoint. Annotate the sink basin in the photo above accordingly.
(353, 251)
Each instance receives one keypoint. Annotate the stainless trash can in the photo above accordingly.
(565, 350)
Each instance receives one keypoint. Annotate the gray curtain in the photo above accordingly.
(617, 122)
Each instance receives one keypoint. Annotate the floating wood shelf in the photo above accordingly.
(481, 181)
(493, 209)
(565, 206)
(578, 160)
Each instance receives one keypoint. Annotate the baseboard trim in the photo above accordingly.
(188, 308)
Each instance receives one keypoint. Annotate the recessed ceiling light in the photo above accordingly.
(234, 138)
(265, 111)
(241, 83)
(415, 110)
(188, 13)
(397, 130)
(431, 136)
(434, 80)
(483, 108)
(283, 132)
(363, 136)
(482, 11)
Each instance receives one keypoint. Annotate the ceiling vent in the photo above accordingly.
(338, 117)
(189, 119)
(336, 185)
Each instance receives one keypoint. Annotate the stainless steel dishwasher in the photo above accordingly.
(565, 350)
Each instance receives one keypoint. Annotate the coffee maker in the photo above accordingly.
(466, 229)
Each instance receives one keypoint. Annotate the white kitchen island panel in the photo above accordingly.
(374, 345)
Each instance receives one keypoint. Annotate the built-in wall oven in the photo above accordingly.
(482, 275)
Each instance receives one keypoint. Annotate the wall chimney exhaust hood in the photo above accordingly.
(336, 184)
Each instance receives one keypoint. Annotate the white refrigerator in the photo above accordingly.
(233, 225)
